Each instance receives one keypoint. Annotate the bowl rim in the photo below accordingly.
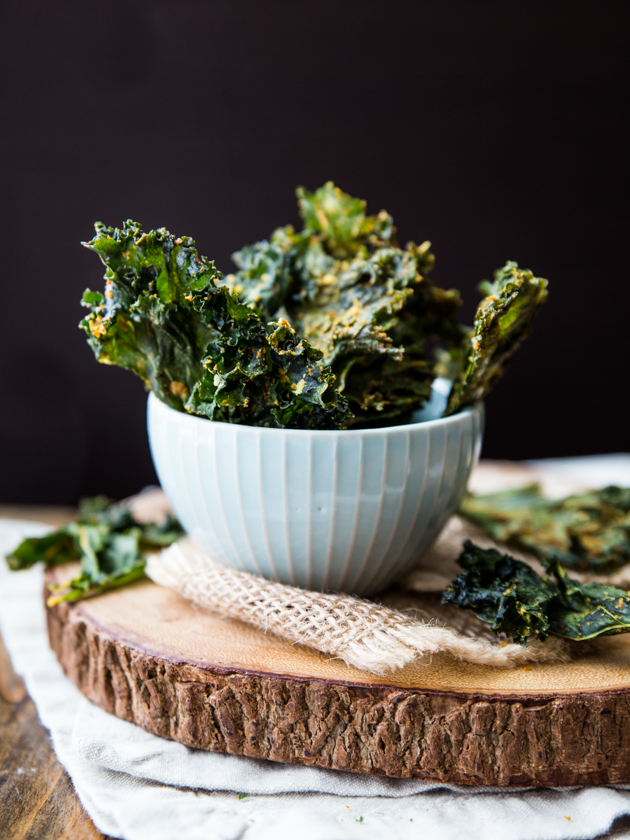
(452, 419)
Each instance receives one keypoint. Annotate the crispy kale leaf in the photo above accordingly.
(347, 287)
(587, 532)
(166, 317)
(503, 319)
(109, 542)
(340, 221)
(515, 600)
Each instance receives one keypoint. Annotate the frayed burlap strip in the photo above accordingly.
(378, 638)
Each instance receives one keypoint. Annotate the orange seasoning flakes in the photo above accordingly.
(97, 327)
(178, 389)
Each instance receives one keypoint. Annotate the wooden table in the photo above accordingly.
(37, 799)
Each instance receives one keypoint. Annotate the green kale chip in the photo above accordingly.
(340, 222)
(515, 600)
(368, 305)
(108, 540)
(167, 317)
(503, 319)
(586, 532)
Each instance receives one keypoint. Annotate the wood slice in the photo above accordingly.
(147, 655)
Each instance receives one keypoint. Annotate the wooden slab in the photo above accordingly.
(150, 657)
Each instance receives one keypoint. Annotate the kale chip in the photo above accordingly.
(586, 532)
(166, 316)
(108, 540)
(504, 318)
(368, 305)
(515, 600)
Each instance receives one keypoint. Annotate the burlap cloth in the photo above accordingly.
(379, 637)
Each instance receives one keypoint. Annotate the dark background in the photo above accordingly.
(494, 129)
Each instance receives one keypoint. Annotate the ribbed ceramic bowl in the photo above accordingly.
(339, 510)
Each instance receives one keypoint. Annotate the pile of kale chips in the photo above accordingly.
(330, 327)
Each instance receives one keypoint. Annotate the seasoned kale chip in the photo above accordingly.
(517, 601)
(367, 304)
(108, 540)
(166, 316)
(587, 532)
(503, 319)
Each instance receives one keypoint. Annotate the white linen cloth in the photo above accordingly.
(137, 786)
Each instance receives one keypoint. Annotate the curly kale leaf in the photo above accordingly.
(383, 388)
(108, 540)
(53, 549)
(346, 286)
(283, 385)
(587, 532)
(503, 319)
(265, 276)
(515, 600)
(338, 220)
(166, 316)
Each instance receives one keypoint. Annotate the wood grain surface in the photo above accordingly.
(37, 799)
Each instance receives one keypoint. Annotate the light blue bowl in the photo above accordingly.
(347, 511)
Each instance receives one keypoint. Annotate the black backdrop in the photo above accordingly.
(492, 128)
